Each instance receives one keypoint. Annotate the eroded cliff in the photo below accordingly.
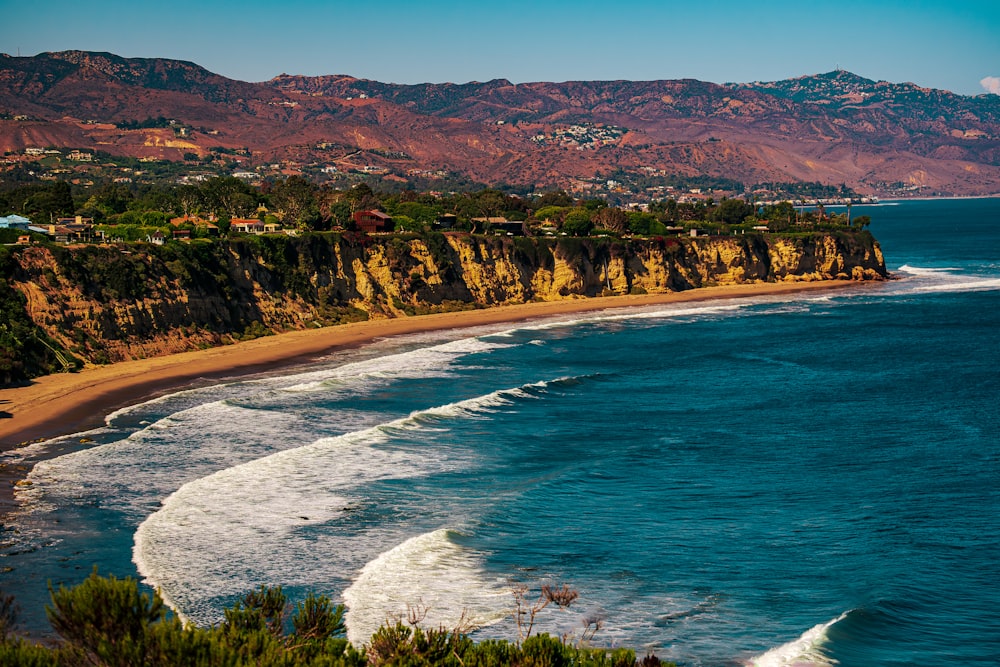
(106, 304)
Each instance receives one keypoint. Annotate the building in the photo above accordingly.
(14, 222)
(207, 224)
(446, 221)
(500, 226)
(508, 228)
(373, 221)
(247, 226)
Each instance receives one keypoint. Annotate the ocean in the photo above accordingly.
(810, 479)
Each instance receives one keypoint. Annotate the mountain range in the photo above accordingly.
(835, 128)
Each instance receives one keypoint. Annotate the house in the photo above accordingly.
(373, 221)
(80, 229)
(247, 226)
(207, 224)
(14, 222)
(68, 230)
(157, 238)
(500, 226)
(446, 221)
(75, 220)
(508, 228)
(181, 234)
(57, 233)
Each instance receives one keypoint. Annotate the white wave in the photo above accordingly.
(422, 362)
(151, 463)
(162, 400)
(978, 285)
(663, 311)
(243, 526)
(924, 270)
(806, 651)
(427, 573)
(205, 430)
(929, 280)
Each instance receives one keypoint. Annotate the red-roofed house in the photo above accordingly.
(373, 221)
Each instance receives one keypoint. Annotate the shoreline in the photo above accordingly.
(62, 404)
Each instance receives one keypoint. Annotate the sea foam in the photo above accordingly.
(806, 651)
(298, 516)
(428, 575)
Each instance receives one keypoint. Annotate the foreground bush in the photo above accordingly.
(109, 622)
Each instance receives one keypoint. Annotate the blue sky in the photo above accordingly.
(952, 45)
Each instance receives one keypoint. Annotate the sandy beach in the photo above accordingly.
(67, 403)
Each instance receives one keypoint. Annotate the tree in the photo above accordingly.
(644, 224)
(490, 203)
(732, 211)
(361, 198)
(552, 213)
(577, 222)
(612, 219)
(229, 196)
(190, 199)
(106, 620)
(294, 199)
(112, 198)
(47, 202)
(554, 198)
(412, 209)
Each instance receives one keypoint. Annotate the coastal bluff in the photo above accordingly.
(94, 304)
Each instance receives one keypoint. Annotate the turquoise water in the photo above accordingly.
(803, 480)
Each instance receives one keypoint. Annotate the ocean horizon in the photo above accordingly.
(804, 479)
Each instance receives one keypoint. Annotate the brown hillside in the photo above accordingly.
(834, 128)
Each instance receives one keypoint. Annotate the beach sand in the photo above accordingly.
(67, 403)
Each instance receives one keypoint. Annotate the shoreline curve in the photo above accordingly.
(62, 404)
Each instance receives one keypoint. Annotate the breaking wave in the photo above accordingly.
(296, 516)
(806, 651)
(429, 575)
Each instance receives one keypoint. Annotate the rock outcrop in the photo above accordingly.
(106, 304)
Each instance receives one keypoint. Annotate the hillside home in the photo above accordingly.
(446, 221)
(202, 223)
(500, 226)
(14, 222)
(247, 226)
(508, 228)
(373, 221)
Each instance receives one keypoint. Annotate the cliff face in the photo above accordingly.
(105, 304)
